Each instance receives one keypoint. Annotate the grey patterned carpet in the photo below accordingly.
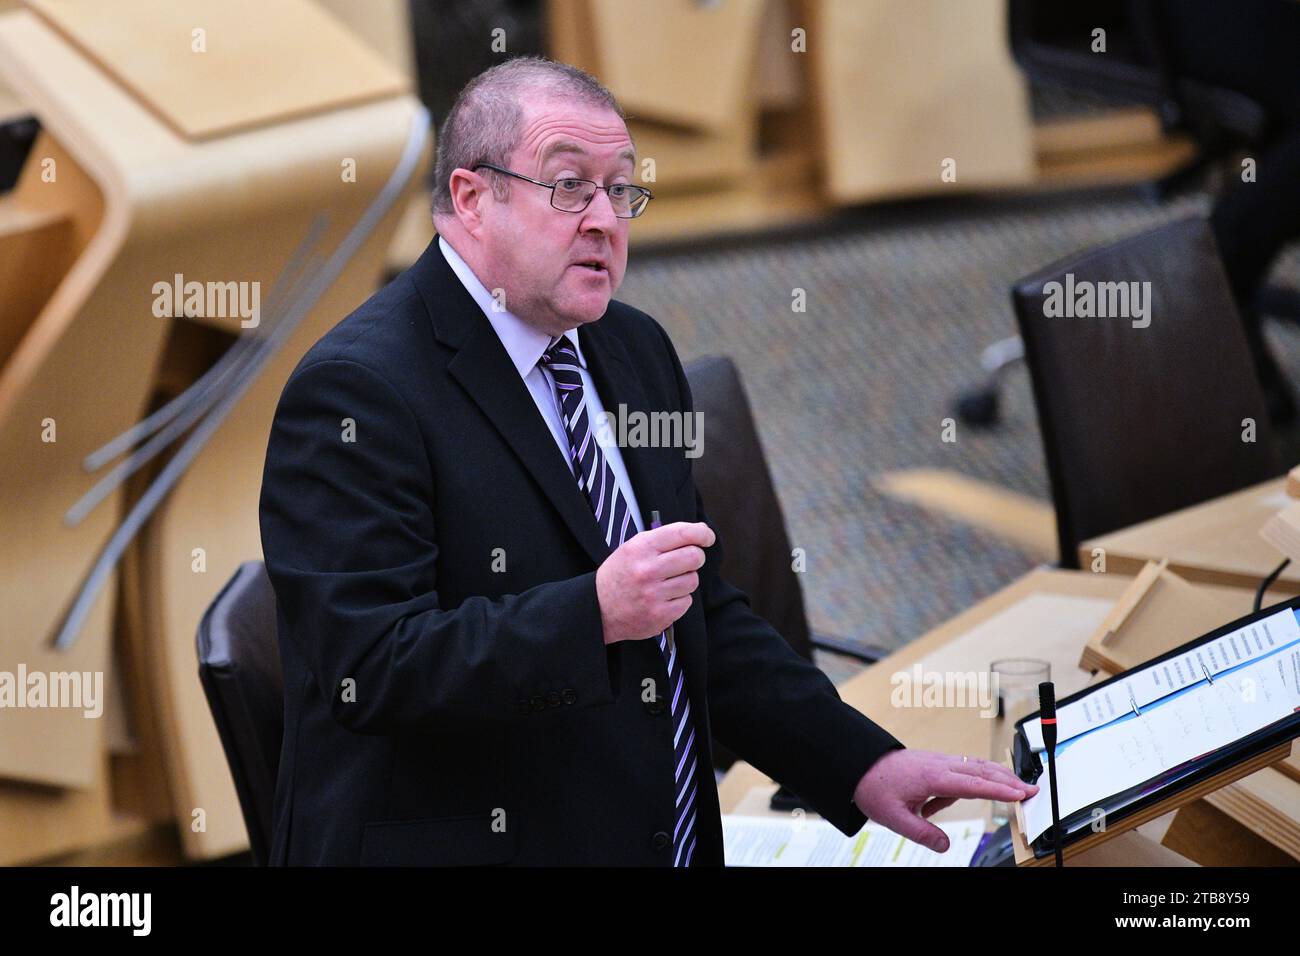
(900, 302)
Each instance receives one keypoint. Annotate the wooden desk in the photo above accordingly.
(1216, 542)
(1001, 626)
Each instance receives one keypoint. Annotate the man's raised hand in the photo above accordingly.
(647, 582)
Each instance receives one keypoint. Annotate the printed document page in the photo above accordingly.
(798, 841)
(1175, 728)
(1149, 684)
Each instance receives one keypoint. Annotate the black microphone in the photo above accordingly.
(1047, 714)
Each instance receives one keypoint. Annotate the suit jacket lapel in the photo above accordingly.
(483, 368)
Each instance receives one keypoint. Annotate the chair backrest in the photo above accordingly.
(736, 486)
(1053, 43)
(1141, 421)
(239, 666)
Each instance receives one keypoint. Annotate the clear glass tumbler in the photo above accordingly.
(1015, 680)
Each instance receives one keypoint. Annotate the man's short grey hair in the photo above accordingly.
(485, 123)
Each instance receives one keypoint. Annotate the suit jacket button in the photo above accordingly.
(569, 696)
(553, 698)
(538, 702)
(661, 840)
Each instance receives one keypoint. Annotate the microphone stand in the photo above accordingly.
(1047, 707)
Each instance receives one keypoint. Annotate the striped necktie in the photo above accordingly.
(596, 479)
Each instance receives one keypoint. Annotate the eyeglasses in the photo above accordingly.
(575, 195)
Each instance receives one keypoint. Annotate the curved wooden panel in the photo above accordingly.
(231, 208)
(208, 69)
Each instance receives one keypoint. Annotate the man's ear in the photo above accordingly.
(468, 193)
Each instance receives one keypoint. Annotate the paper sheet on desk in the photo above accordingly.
(1172, 731)
(793, 841)
(1149, 684)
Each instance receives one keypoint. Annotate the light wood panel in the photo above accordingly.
(1231, 841)
(383, 25)
(45, 224)
(689, 163)
(902, 85)
(1157, 612)
(1028, 522)
(57, 372)
(260, 62)
(687, 159)
(779, 193)
(35, 252)
(10, 105)
(1266, 803)
(681, 62)
(40, 822)
(232, 207)
(1216, 542)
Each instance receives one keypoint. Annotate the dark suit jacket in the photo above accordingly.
(444, 708)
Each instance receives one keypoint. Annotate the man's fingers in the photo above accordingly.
(989, 770)
(950, 783)
(917, 830)
(681, 585)
(678, 606)
(672, 563)
(679, 534)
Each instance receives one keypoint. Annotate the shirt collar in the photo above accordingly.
(524, 344)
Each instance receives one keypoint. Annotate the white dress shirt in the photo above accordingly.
(525, 345)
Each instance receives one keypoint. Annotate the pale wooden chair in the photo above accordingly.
(213, 165)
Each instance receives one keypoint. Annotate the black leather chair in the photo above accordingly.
(736, 485)
(734, 481)
(1138, 422)
(1052, 44)
(239, 666)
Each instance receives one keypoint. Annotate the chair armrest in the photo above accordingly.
(866, 653)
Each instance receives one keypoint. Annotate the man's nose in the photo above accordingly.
(599, 213)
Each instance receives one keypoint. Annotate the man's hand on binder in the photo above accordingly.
(905, 787)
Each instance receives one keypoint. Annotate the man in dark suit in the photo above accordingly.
(490, 654)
